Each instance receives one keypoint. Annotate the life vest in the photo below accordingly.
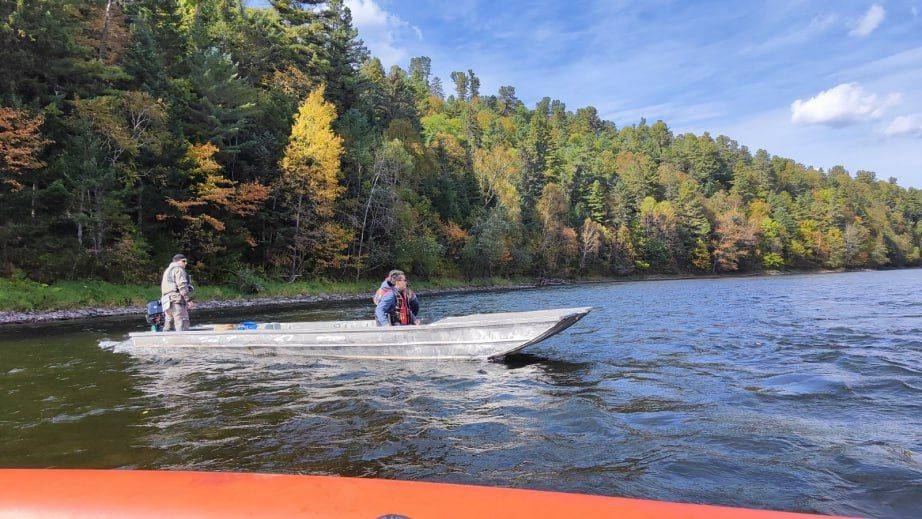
(403, 307)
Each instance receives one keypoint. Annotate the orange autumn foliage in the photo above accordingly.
(21, 142)
(215, 196)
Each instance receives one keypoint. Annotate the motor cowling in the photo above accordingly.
(155, 317)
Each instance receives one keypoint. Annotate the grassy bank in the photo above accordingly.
(18, 295)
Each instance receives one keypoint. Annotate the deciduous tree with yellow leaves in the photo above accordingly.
(310, 185)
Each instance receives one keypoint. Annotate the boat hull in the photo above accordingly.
(476, 336)
(28, 493)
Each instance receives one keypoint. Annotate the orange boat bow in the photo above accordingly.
(130, 493)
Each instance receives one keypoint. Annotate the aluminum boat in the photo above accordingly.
(483, 336)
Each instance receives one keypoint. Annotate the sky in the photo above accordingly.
(824, 83)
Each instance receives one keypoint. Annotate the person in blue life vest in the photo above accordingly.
(395, 303)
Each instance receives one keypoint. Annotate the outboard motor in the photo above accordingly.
(155, 317)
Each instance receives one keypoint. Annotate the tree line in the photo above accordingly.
(268, 143)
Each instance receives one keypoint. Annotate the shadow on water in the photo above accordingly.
(795, 393)
(521, 360)
(559, 372)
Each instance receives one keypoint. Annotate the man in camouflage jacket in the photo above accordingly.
(175, 295)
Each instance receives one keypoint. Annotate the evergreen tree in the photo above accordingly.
(474, 84)
(221, 104)
(345, 52)
(507, 101)
(420, 69)
(595, 202)
(462, 83)
(436, 88)
(143, 60)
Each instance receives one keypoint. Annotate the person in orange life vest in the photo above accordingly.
(395, 303)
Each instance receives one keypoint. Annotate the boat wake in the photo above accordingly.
(116, 346)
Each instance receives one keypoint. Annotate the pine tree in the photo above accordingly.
(345, 52)
(223, 104)
(306, 26)
(166, 20)
(507, 101)
(143, 61)
(638, 175)
(462, 83)
(595, 202)
(297, 12)
(436, 88)
(420, 69)
(474, 84)
(534, 158)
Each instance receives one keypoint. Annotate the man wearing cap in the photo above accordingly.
(175, 295)
(395, 303)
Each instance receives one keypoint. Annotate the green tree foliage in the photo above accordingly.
(595, 202)
(474, 84)
(559, 242)
(266, 141)
(462, 84)
(220, 103)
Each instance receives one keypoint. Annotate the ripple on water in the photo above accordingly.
(798, 385)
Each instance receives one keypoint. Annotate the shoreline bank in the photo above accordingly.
(73, 314)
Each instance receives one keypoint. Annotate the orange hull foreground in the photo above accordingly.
(120, 494)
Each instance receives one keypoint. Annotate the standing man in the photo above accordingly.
(175, 295)
(395, 303)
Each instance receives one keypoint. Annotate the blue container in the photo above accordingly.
(247, 325)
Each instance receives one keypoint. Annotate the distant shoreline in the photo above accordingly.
(72, 314)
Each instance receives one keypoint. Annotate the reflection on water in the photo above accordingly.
(797, 393)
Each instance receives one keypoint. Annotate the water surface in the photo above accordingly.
(795, 393)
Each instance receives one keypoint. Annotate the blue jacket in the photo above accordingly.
(386, 309)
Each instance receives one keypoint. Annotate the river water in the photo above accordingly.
(799, 393)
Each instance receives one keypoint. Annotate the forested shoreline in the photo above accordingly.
(269, 145)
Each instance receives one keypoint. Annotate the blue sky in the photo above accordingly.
(824, 83)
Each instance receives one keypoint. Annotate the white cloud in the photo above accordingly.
(381, 30)
(905, 126)
(870, 21)
(840, 106)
